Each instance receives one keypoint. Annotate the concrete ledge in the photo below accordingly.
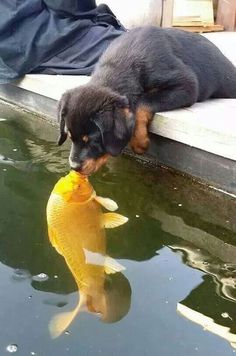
(50, 86)
(216, 171)
(209, 126)
(30, 101)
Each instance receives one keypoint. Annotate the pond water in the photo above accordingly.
(177, 294)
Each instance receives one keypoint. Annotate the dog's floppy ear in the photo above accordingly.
(120, 121)
(116, 128)
(62, 124)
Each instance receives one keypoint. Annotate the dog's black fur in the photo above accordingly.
(144, 71)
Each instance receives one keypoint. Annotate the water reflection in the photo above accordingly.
(202, 230)
(218, 318)
(224, 274)
(219, 328)
(212, 303)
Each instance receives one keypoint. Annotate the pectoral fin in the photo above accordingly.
(112, 266)
(94, 258)
(107, 203)
(62, 321)
(97, 259)
(111, 220)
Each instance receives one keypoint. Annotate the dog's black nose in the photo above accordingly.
(75, 159)
(76, 166)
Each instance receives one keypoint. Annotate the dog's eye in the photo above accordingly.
(85, 138)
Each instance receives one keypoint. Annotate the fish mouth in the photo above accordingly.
(92, 165)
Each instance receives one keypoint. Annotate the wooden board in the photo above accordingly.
(193, 12)
(192, 24)
(167, 13)
(202, 29)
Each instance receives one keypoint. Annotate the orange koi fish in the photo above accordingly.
(76, 228)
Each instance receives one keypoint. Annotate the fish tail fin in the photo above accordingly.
(112, 266)
(60, 322)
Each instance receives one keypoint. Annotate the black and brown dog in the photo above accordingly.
(144, 71)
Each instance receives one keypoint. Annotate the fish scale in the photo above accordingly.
(73, 234)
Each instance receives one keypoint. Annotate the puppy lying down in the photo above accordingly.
(144, 71)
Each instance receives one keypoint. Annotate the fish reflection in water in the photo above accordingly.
(76, 227)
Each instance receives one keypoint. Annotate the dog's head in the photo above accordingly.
(99, 123)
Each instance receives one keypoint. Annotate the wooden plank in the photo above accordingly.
(226, 14)
(167, 13)
(201, 29)
(192, 24)
(186, 11)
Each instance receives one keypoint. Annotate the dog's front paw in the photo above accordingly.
(139, 144)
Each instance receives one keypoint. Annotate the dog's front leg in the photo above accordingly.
(182, 93)
(140, 140)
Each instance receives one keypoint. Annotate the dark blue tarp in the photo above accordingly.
(53, 36)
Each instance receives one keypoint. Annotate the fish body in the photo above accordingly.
(76, 228)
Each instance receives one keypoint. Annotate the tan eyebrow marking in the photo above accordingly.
(85, 138)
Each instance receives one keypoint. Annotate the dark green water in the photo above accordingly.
(179, 250)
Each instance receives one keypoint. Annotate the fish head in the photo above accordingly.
(117, 294)
(74, 187)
